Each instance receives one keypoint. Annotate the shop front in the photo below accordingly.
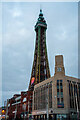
(62, 117)
(44, 117)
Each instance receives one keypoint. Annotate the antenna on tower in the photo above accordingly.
(40, 6)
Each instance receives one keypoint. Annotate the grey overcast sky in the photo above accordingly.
(18, 20)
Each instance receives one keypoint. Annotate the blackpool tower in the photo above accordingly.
(40, 68)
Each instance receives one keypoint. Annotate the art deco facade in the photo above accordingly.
(58, 97)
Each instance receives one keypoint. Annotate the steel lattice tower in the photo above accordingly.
(40, 69)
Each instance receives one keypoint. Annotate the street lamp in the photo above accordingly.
(24, 108)
(47, 107)
(16, 109)
(77, 108)
(28, 109)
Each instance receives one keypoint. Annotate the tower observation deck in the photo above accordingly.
(40, 68)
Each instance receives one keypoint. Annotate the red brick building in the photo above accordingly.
(20, 105)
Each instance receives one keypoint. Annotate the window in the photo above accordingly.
(61, 90)
(79, 90)
(44, 63)
(57, 90)
(72, 92)
(60, 81)
(57, 82)
(40, 97)
(61, 93)
(57, 93)
(60, 101)
(60, 84)
(74, 89)
(45, 71)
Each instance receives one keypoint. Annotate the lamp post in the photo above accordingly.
(7, 108)
(77, 108)
(28, 109)
(24, 108)
(16, 109)
(47, 107)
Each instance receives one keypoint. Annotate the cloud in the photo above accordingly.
(23, 32)
(16, 36)
(16, 13)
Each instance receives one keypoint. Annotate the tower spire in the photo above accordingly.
(40, 10)
(40, 69)
(41, 14)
